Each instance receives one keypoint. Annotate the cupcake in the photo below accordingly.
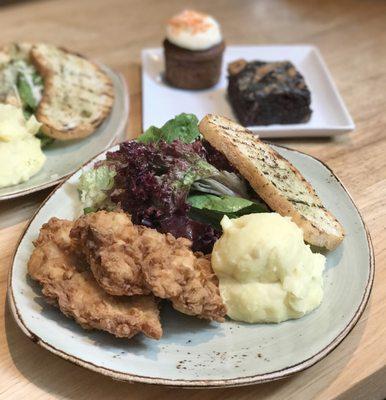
(193, 51)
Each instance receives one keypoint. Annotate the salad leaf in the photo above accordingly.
(26, 92)
(222, 184)
(211, 208)
(226, 204)
(94, 186)
(44, 139)
(183, 127)
(29, 84)
(198, 169)
(155, 178)
(151, 135)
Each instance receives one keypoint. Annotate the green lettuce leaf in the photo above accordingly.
(93, 187)
(226, 204)
(151, 135)
(183, 127)
(26, 93)
(211, 209)
(29, 86)
(44, 139)
(199, 169)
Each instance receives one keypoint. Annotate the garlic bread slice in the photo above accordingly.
(77, 94)
(274, 179)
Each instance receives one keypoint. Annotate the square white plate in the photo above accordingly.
(161, 102)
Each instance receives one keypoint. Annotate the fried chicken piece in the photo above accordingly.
(154, 261)
(174, 272)
(110, 243)
(70, 285)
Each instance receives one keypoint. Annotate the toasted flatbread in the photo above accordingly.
(77, 95)
(274, 179)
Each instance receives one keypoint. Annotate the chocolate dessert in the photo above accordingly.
(265, 93)
(193, 51)
(192, 69)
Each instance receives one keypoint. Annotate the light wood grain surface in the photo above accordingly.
(352, 38)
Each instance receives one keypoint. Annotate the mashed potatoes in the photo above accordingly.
(266, 271)
(20, 152)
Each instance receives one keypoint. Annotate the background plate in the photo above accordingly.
(329, 117)
(63, 158)
(192, 352)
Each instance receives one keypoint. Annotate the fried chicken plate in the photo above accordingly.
(68, 283)
(127, 259)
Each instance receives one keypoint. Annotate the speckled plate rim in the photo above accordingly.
(119, 130)
(209, 383)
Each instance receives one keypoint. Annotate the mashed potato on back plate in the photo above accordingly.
(266, 271)
(20, 151)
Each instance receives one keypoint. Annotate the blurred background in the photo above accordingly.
(115, 31)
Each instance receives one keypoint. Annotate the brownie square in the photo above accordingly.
(265, 93)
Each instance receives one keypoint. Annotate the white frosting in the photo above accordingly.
(193, 31)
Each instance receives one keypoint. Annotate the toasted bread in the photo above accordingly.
(274, 179)
(77, 95)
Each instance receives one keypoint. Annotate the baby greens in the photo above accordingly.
(94, 186)
(172, 180)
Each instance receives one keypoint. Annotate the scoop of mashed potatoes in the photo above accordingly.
(266, 271)
(20, 152)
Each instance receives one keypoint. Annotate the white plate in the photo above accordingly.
(161, 102)
(63, 158)
(192, 352)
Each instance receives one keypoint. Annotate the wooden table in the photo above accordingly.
(352, 37)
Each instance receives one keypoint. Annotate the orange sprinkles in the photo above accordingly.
(190, 20)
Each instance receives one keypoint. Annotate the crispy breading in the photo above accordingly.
(110, 243)
(158, 262)
(174, 272)
(69, 284)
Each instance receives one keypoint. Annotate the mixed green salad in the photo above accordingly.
(172, 180)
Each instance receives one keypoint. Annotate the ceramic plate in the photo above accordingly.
(192, 352)
(329, 117)
(63, 158)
